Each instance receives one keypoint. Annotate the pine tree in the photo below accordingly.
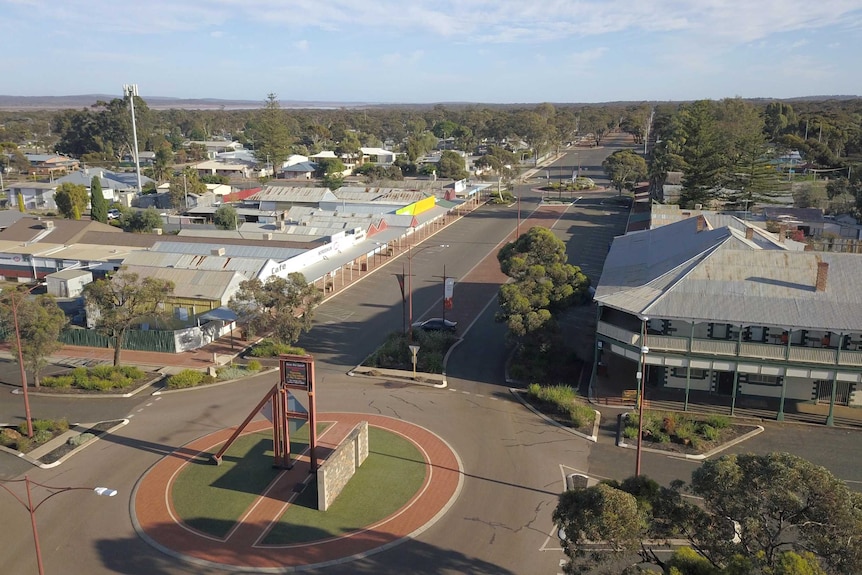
(98, 204)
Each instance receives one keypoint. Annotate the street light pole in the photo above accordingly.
(28, 505)
(641, 378)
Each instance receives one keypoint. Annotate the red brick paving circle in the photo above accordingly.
(155, 520)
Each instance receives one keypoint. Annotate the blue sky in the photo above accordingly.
(419, 51)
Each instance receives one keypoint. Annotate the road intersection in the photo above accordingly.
(514, 462)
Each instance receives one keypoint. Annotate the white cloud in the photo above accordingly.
(217, 34)
(732, 21)
(301, 45)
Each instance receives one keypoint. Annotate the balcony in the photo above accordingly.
(763, 351)
(812, 355)
(713, 347)
(728, 348)
(667, 343)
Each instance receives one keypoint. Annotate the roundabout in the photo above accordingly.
(182, 506)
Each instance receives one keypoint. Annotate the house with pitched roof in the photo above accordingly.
(712, 305)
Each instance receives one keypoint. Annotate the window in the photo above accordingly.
(760, 379)
(683, 372)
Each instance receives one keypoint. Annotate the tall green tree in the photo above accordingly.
(543, 282)
(625, 168)
(71, 200)
(98, 203)
(123, 300)
(701, 152)
(140, 221)
(272, 139)
(182, 184)
(225, 218)
(40, 321)
(162, 162)
(282, 306)
(451, 165)
(749, 177)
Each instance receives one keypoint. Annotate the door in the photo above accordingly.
(724, 383)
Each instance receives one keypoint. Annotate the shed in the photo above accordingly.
(68, 283)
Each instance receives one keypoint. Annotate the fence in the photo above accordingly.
(150, 340)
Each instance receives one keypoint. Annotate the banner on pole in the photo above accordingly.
(400, 278)
(448, 290)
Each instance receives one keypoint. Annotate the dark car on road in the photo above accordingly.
(436, 324)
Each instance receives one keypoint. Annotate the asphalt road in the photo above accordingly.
(514, 462)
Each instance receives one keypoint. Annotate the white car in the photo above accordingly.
(113, 214)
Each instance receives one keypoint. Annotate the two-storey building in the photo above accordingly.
(711, 304)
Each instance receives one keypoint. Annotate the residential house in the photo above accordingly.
(215, 147)
(231, 168)
(300, 171)
(51, 164)
(378, 156)
(730, 313)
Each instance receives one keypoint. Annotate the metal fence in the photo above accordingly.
(149, 340)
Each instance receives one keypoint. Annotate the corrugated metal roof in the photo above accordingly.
(719, 276)
(258, 252)
(248, 267)
(273, 193)
(201, 284)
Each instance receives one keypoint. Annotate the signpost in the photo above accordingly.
(279, 406)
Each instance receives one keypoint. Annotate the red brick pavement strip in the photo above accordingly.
(156, 521)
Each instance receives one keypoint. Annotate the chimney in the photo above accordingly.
(749, 233)
(49, 224)
(782, 233)
(701, 223)
(217, 252)
(157, 231)
(822, 276)
(281, 225)
(267, 236)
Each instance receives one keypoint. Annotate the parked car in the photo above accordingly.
(436, 324)
(113, 214)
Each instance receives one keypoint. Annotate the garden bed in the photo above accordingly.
(97, 380)
(95, 431)
(686, 434)
(561, 403)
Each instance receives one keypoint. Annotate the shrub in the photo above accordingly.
(58, 381)
(718, 421)
(102, 371)
(630, 431)
(709, 432)
(80, 377)
(581, 415)
(253, 365)
(668, 424)
(271, 348)
(185, 378)
(80, 439)
(131, 371)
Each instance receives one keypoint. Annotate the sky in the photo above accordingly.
(430, 51)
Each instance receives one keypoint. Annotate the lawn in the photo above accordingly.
(211, 498)
(385, 482)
